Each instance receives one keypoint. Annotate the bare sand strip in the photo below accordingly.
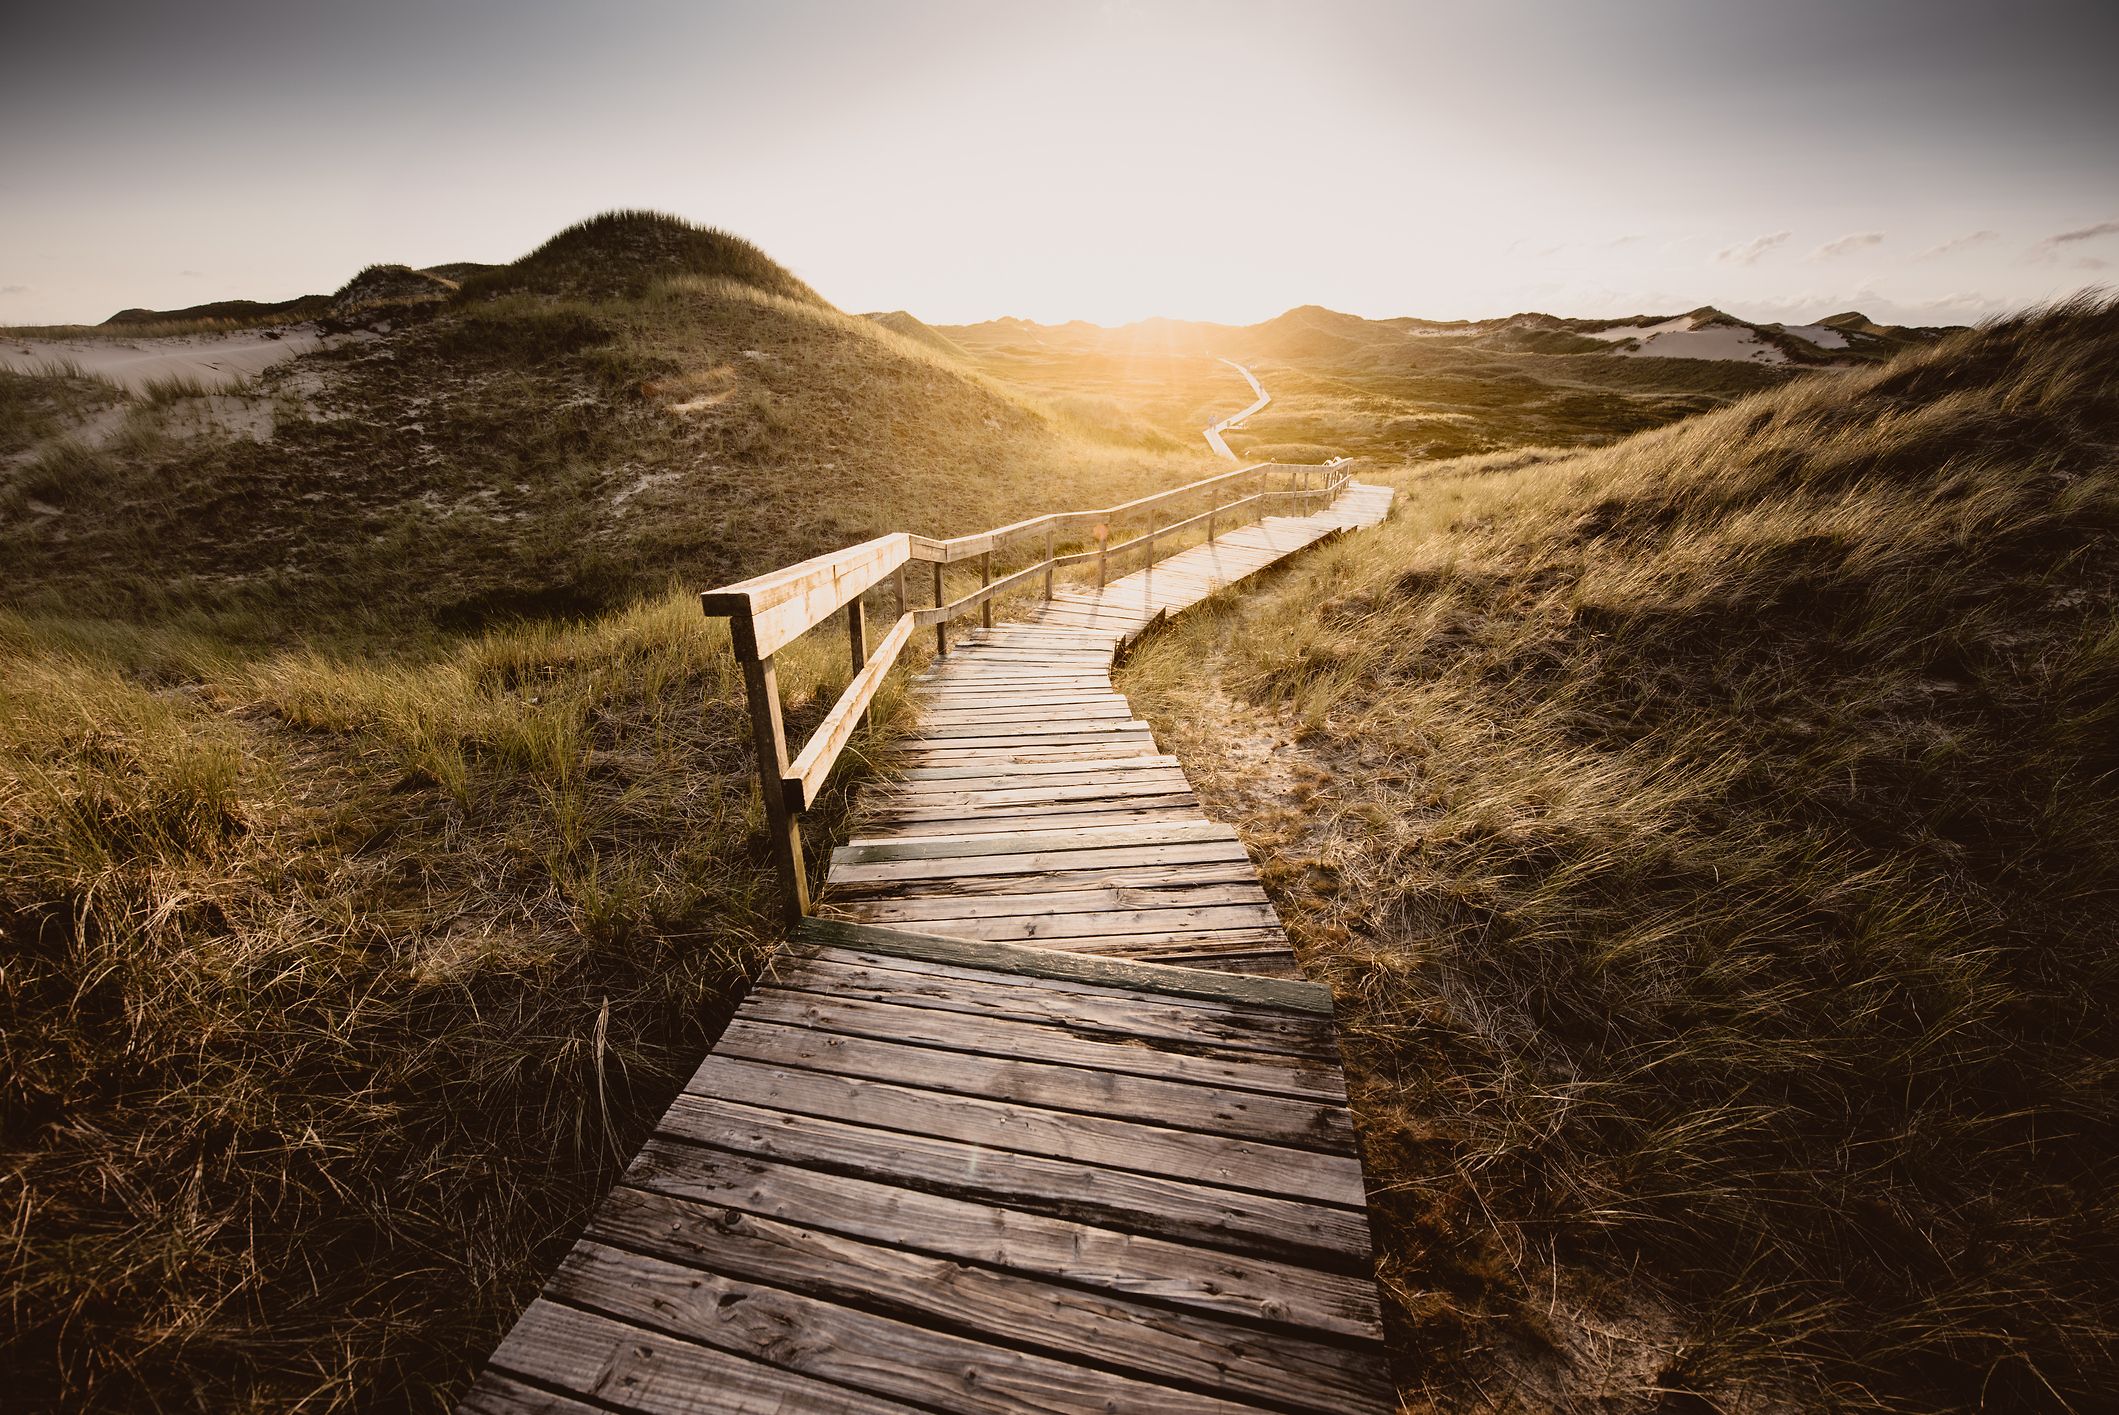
(216, 360)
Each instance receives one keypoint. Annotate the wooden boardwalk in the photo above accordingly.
(1034, 806)
(983, 1148)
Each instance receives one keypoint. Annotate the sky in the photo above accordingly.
(1924, 161)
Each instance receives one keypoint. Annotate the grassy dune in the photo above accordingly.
(1714, 842)
(378, 839)
(550, 448)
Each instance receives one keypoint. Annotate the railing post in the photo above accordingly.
(986, 579)
(1048, 562)
(761, 690)
(1103, 554)
(857, 640)
(941, 626)
(897, 582)
(1148, 547)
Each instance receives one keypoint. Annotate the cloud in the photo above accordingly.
(192, 274)
(1749, 252)
(2049, 250)
(1848, 245)
(1958, 243)
(1618, 241)
(2086, 233)
(14, 289)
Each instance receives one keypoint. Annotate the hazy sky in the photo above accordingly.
(1923, 160)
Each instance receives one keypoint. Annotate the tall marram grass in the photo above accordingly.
(1714, 840)
(333, 989)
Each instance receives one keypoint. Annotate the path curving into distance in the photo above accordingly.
(1037, 1116)
(1235, 420)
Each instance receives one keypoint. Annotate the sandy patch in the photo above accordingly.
(1727, 342)
(1639, 331)
(1822, 335)
(217, 360)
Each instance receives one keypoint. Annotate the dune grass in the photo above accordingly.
(525, 453)
(1714, 842)
(338, 988)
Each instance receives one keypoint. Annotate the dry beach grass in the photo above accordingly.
(1714, 842)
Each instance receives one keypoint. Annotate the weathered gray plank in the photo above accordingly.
(1129, 1265)
(754, 1267)
(1072, 901)
(1047, 1041)
(1164, 1102)
(1309, 1005)
(636, 1369)
(861, 852)
(1026, 1128)
(1153, 1204)
(969, 866)
(887, 1357)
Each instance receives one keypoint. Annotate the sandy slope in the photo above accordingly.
(214, 359)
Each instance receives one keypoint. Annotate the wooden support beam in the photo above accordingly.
(941, 623)
(857, 643)
(761, 689)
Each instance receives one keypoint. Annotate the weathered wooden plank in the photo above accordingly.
(1224, 871)
(1026, 1128)
(862, 852)
(1055, 861)
(496, 1394)
(917, 756)
(1157, 1205)
(889, 819)
(1006, 791)
(996, 1036)
(636, 1369)
(1253, 921)
(1158, 1020)
(1087, 770)
(999, 790)
(851, 1348)
(1129, 1265)
(935, 718)
(1206, 939)
(1035, 731)
(1177, 808)
(778, 607)
(975, 691)
(1072, 901)
(1006, 737)
(742, 1281)
(1309, 1004)
(1035, 1081)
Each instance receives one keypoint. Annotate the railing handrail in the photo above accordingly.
(769, 611)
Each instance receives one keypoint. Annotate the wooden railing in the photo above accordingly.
(770, 611)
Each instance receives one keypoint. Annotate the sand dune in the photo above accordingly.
(214, 359)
